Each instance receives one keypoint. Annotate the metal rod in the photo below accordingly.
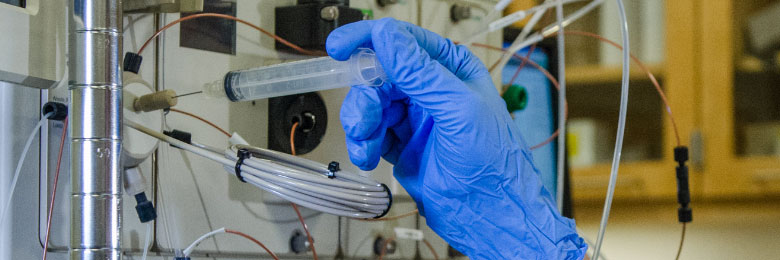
(96, 112)
(191, 93)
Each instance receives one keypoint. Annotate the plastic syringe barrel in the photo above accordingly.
(310, 75)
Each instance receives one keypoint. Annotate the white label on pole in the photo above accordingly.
(408, 233)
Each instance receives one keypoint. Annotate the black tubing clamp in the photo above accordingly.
(241, 154)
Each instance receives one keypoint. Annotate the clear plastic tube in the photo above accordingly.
(19, 166)
(620, 131)
(561, 109)
(147, 240)
(362, 68)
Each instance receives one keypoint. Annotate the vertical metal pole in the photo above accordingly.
(95, 43)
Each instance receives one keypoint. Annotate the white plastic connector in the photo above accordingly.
(134, 181)
(236, 139)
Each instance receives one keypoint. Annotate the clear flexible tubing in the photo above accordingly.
(296, 179)
(147, 240)
(620, 131)
(19, 166)
(561, 108)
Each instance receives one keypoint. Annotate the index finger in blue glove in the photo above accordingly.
(457, 59)
(415, 65)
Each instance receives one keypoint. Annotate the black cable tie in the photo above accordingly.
(390, 204)
(242, 154)
(333, 167)
(59, 111)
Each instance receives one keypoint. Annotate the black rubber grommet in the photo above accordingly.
(389, 205)
(59, 111)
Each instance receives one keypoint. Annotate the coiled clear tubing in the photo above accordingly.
(362, 68)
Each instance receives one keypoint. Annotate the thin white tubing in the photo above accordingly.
(147, 240)
(194, 244)
(561, 109)
(551, 29)
(529, 26)
(277, 169)
(296, 182)
(620, 131)
(521, 43)
(308, 164)
(509, 19)
(19, 164)
(275, 177)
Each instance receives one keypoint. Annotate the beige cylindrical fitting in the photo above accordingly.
(155, 101)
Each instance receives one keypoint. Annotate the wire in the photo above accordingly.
(522, 64)
(646, 70)
(292, 138)
(620, 131)
(682, 239)
(522, 42)
(223, 16)
(549, 77)
(230, 231)
(636, 60)
(407, 214)
(187, 251)
(295, 207)
(507, 20)
(383, 251)
(306, 229)
(191, 93)
(430, 247)
(18, 170)
(54, 189)
(195, 243)
(203, 120)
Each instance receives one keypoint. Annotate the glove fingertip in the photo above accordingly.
(362, 154)
(345, 39)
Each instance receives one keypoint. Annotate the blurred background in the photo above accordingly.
(719, 64)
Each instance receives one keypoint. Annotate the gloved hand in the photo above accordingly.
(441, 122)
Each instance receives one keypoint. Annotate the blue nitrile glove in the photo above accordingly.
(441, 122)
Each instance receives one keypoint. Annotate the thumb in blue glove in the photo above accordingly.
(455, 150)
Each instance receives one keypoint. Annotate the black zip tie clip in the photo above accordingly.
(241, 154)
(333, 167)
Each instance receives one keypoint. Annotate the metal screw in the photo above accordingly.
(329, 13)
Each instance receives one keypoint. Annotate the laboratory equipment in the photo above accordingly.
(301, 181)
(362, 68)
(309, 22)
